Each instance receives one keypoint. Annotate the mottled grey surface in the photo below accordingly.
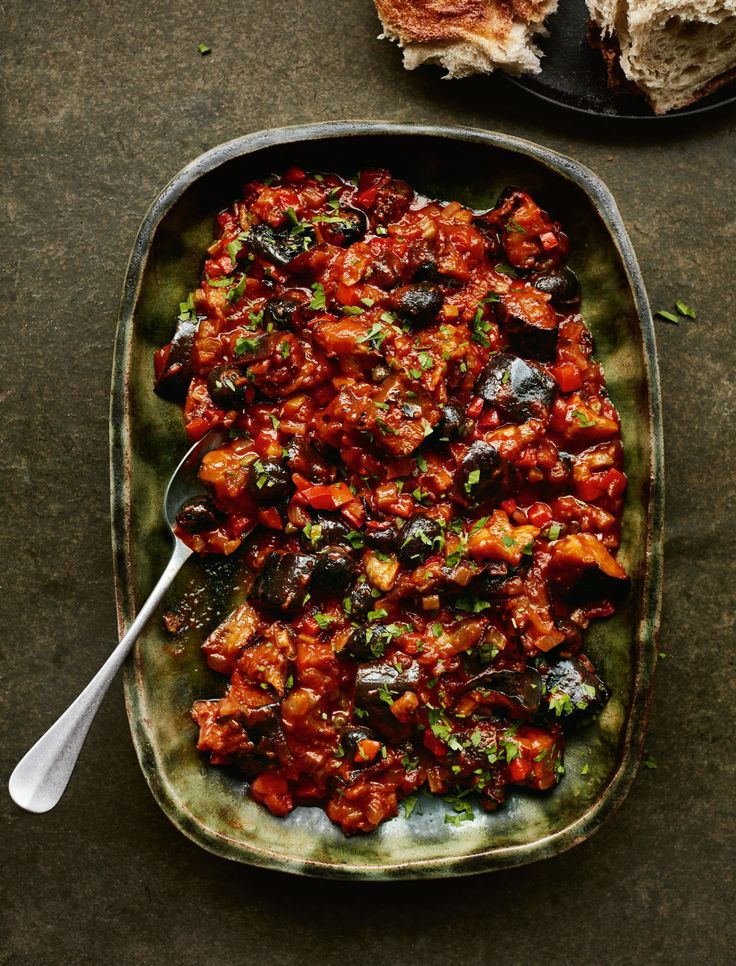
(102, 103)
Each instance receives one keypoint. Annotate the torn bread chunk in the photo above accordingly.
(674, 51)
(467, 36)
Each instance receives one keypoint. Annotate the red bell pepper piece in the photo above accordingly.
(568, 376)
(331, 497)
(539, 515)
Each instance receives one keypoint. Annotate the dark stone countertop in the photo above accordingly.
(102, 103)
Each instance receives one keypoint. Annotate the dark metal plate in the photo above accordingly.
(574, 74)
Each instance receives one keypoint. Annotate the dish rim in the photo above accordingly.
(120, 475)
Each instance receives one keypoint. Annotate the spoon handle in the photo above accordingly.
(41, 776)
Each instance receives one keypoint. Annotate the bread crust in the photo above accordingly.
(441, 21)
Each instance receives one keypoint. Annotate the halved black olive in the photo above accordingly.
(303, 457)
(522, 689)
(561, 284)
(279, 247)
(199, 515)
(359, 601)
(350, 742)
(279, 312)
(368, 641)
(284, 580)
(481, 473)
(333, 571)
(226, 386)
(418, 304)
(571, 687)
(418, 539)
(381, 536)
(351, 227)
(520, 390)
(268, 482)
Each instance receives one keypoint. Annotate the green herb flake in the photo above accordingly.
(513, 225)
(585, 769)
(583, 419)
(243, 345)
(318, 299)
(554, 531)
(650, 763)
(324, 620)
(685, 310)
(667, 316)
(204, 49)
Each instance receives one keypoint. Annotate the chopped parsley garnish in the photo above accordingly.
(667, 316)
(513, 225)
(318, 299)
(554, 531)
(685, 310)
(583, 419)
(324, 620)
(243, 345)
(376, 615)
(204, 49)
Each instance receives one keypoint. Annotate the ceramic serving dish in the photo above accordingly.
(165, 675)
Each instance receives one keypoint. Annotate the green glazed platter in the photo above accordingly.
(167, 674)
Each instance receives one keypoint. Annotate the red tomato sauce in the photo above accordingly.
(425, 475)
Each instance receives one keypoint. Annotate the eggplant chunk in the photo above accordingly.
(325, 531)
(284, 580)
(303, 457)
(359, 601)
(520, 390)
(333, 571)
(572, 687)
(481, 473)
(530, 323)
(172, 382)
(368, 642)
(418, 540)
(378, 681)
(277, 246)
(522, 690)
(451, 424)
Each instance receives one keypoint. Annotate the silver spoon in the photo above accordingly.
(41, 776)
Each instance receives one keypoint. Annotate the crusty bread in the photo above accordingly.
(675, 51)
(467, 36)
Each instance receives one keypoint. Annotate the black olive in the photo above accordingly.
(418, 539)
(420, 303)
(359, 601)
(451, 422)
(334, 570)
(368, 642)
(562, 285)
(571, 685)
(383, 537)
(520, 390)
(284, 580)
(481, 473)
(198, 515)
(226, 386)
(325, 531)
(268, 482)
(279, 247)
(279, 312)
(351, 227)
(303, 457)
(350, 742)
(427, 270)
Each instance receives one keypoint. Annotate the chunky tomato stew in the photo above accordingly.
(424, 473)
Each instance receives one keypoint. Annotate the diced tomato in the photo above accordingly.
(490, 418)
(539, 515)
(592, 488)
(367, 750)
(475, 408)
(614, 483)
(519, 769)
(354, 512)
(269, 517)
(549, 240)
(568, 376)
